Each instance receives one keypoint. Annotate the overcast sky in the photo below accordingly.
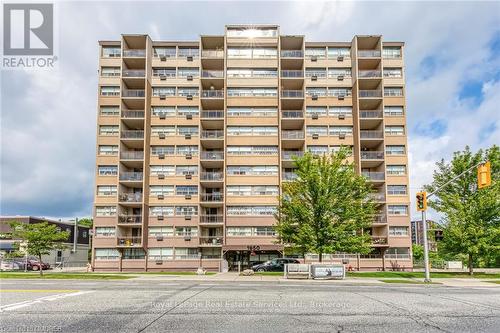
(48, 118)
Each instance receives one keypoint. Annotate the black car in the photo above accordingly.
(275, 265)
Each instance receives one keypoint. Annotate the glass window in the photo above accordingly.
(110, 91)
(391, 52)
(334, 52)
(318, 130)
(317, 150)
(188, 71)
(393, 72)
(161, 211)
(261, 170)
(264, 53)
(105, 211)
(318, 72)
(108, 130)
(111, 51)
(106, 190)
(187, 110)
(167, 170)
(342, 71)
(321, 111)
(252, 32)
(108, 150)
(340, 110)
(187, 130)
(339, 91)
(161, 71)
(185, 150)
(397, 209)
(252, 92)
(186, 190)
(251, 112)
(398, 231)
(160, 253)
(251, 210)
(186, 253)
(337, 130)
(396, 170)
(155, 190)
(107, 170)
(106, 254)
(164, 51)
(188, 52)
(263, 231)
(318, 52)
(188, 91)
(133, 254)
(109, 110)
(240, 190)
(316, 91)
(165, 150)
(105, 231)
(393, 91)
(394, 130)
(161, 231)
(393, 110)
(396, 189)
(110, 71)
(239, 231)
(395, 150)
(186, 231)
(167, 111)
(163, 91)
(165, 130)
(252, 150)
(182, 170)
(238, 52)
(186, 210)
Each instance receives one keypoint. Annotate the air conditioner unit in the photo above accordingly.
(161, 156)
(187, 197)
(190, 58)
(163, 97)
(314, 97)
(187, 238)
(161, 135)
(187, 136)
(341, 116)
(160, 197)
(314, 78)
(159, 262)
(159, 237)
(159, 217)
(163, 58)
(187, 217)
(189, 176)
(189, 97)
(340, 58)
(341, 97)
(342, 136)
(161, 176)
(162, 115)
(315, 116)
(314, 58)
(163, 77)
(189, 116)
(340, 77)
(315, 136)
(189, 156)
(189, 78)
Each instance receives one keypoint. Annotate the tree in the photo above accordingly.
(326, 208)
(86, 222)
(40, 238)
(471, 216)
(418, 252)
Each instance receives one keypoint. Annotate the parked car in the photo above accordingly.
(35, 265)
(274, 265)
(12, 265)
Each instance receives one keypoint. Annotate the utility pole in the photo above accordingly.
(75, 235)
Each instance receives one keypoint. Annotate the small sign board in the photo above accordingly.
(328, 271)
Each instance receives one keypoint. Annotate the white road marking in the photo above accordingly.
(15, 306)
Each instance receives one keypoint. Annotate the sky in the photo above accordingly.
(48, 117)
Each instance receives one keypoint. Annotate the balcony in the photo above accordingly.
(293, 114)
(132, 134)
(131, 176)
(288, 155)
(132, 155)
(370, 93)
(292, 135)
(370, 114)
(376, 240)
(133, 114)
(292, 54)
(213, 114)
(212, 155)
(130, 219)
(211, 197)
(369, 53)
(130, 197)
(212, 54)
(212, 176)
(292, 94)
(139, 53)
(372, 155)
(374, 176)
(292, 73)
(211, 240)
(369, 74)
(377, 197)
(212, 134)
(289, 176)
(128, 241)
(133, 93)
(371, 134)
(212, 94)
(211, 219)
(380, 219)
(212, 74)
(134, 73)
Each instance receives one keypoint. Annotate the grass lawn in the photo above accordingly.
(494, 281)
(417, 275)
(403, 281)
(79, 276)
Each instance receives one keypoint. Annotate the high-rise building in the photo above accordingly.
(195, 139)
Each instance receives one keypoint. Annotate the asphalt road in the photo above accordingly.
(184, 306)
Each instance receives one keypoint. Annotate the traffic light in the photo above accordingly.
(438, 235)
(421, 201)
(484, 175)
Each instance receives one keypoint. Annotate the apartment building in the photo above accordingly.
(195, 139)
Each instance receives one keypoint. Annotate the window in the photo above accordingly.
(106, 190)
(393, 91)
(185, 150)
(110, 91)
(188, 52)
(263, 231)
(238, 52)
(316, 91)
(187, 110)
(340, 110)
(168, 52)
(251, 112)
(186, 210)
(391, 52)
(161, 211)
(393, 72)
(338, 130)
(109, 110)
(165, 130)
(164, 91)
(161, 71)
(187, 130)
(339, 91)
(239, 190)
(239, 231)
(394, 130)
(188, 71)
(393, 111)
(398, 231)
(336, 72)
(251, 210)
(318, 130)
(321, 111)
(105, 231)
(252, 150)
(334, 52)
(395, 150)
(252, 130)
(251, 72)
(161, 231)
(111, 51)
(186, 190)
(396, 170)
(105, 211)
(167, 170)
(252, 32)
(397, 210)
(133, 254)
(108, 150)
(318, 52)
(182, 170)
(167, 111)
(161, 253)
(188, 91)
(166, 150)
(317, 150)
(155, 190)
(107, 170)
(186, 231)
(108, 130)
(318, 72)
(264, 53)
(110, 71)
(106, 254)
(260, 170)
(252, 92)
(396, 189)
(186, 253)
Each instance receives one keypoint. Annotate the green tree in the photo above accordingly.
(86, 222)
(40, 238)
(326, 208)
(418, 252)
(471, 216)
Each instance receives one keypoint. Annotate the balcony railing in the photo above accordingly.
(372, 155)
(370, 93)
(293, 114)
(128, 241)
(212, 134)
(132, 155)
(134, 53)
(369, 73)
(214, 114)
(380, 218)
(212, 155)
(378, 197)
(292, 73)
(368, 134)
(212, 74)
(130, 197)
(131, 176)
(133, 73)
(211, 197)
(372, 175)
(212, 176)
(379, 240)
(132, 114)
(212, 94)
(288, 155)
(212, 54)
(132, 134)
(368, 54)
(211, 219)
(294, 135)
(129, 219)
(211, 240)
(292, 94)
(133, 93)
(292, 54)
(370, 114)
(289, 176)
